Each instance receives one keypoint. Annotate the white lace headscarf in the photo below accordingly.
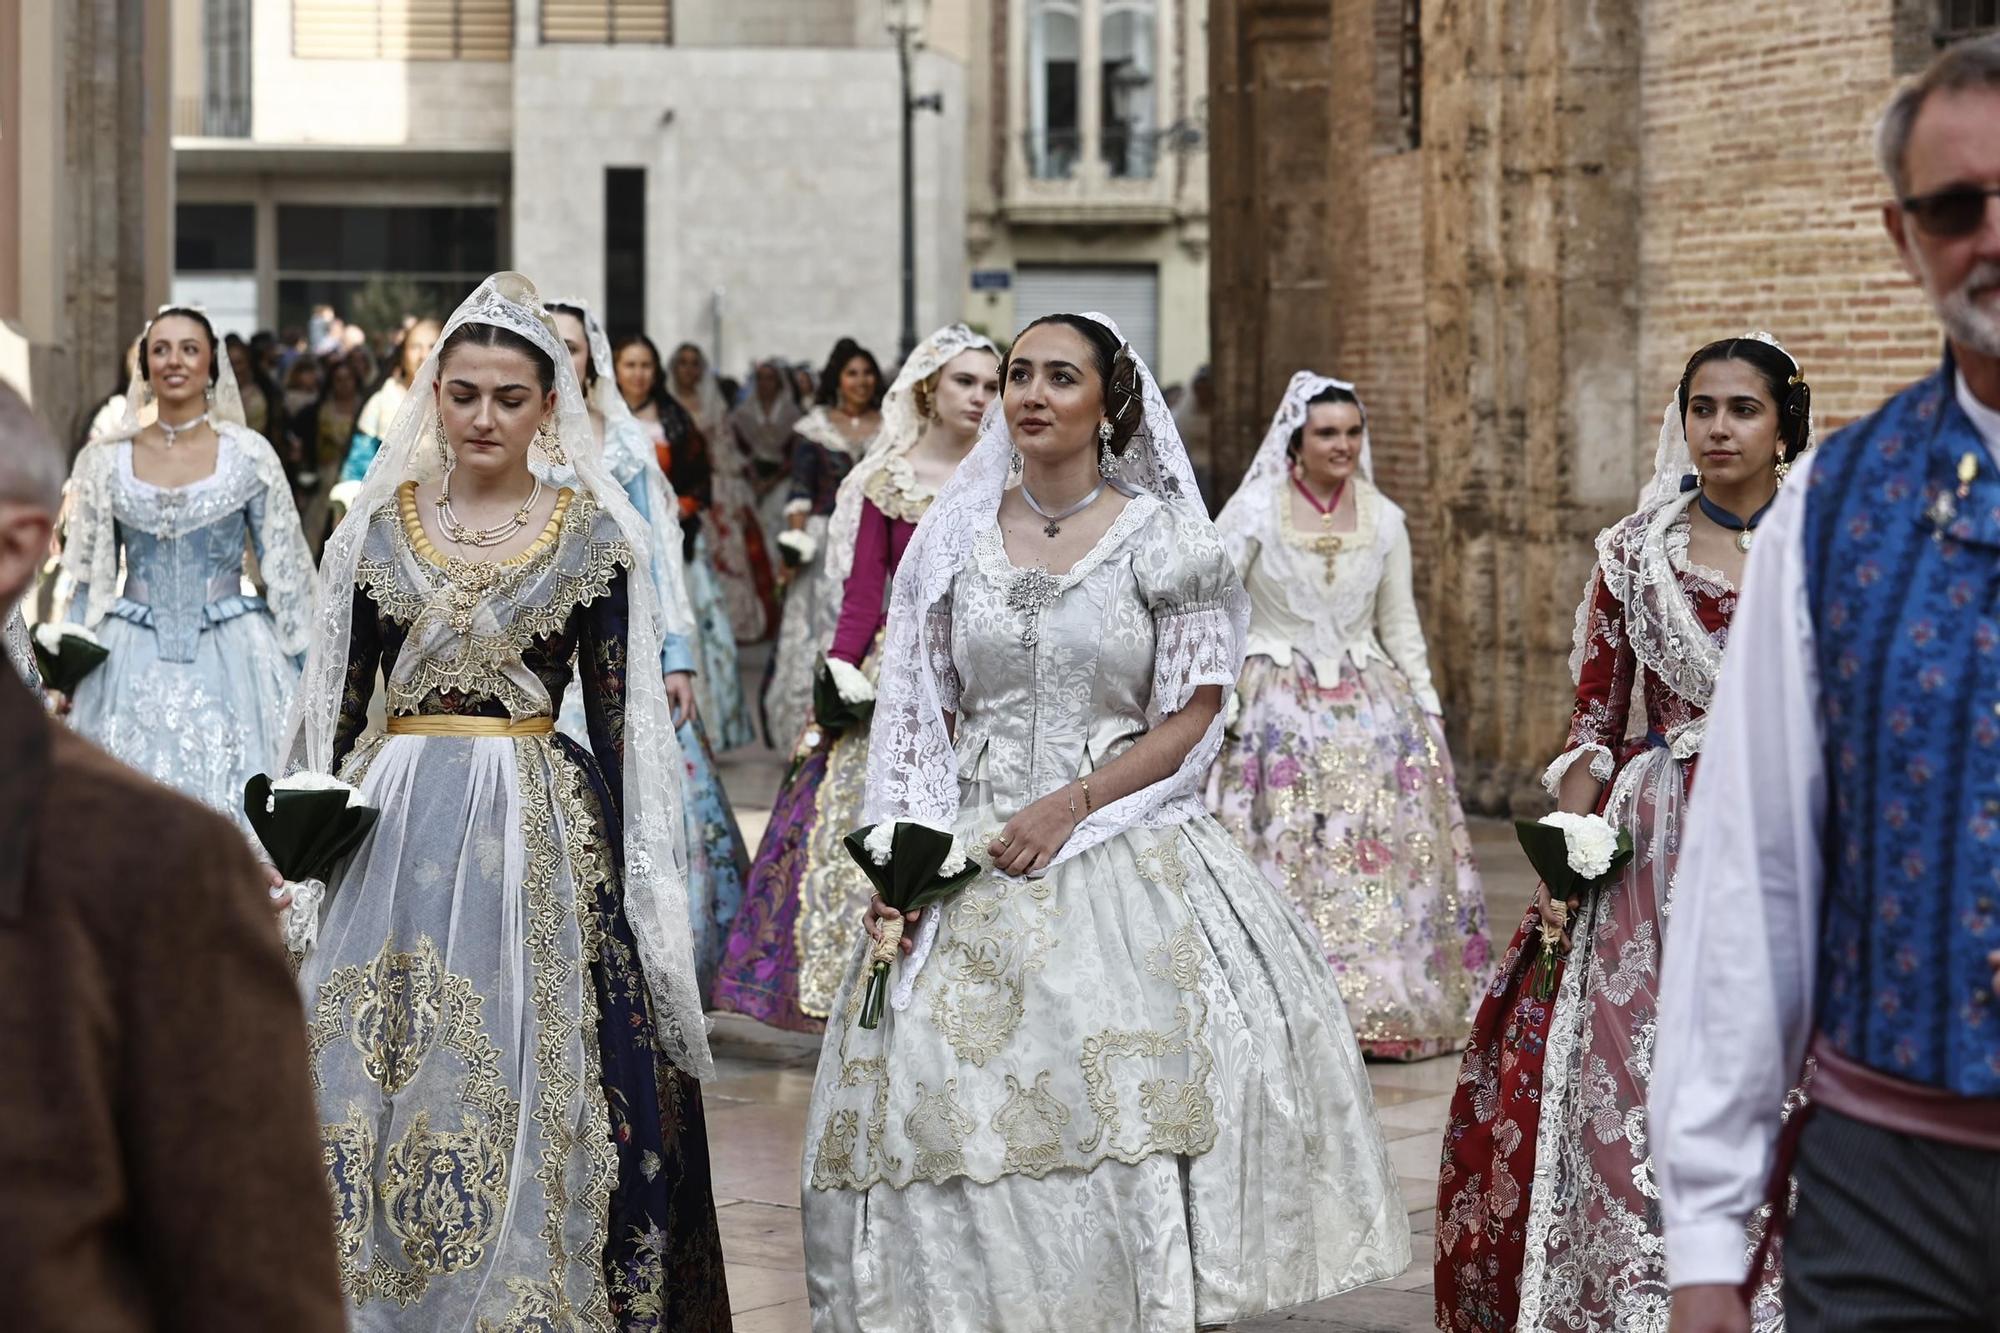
(90, 549)
(912, 769)
(628, 450)
(654, 870)
(902, 426)
(1243, 519)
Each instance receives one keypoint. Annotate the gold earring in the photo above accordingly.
(551, 444)
(445, 459)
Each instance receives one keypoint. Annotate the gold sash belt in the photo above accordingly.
(454, 724)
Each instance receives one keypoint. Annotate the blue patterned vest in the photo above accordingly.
(1904, 586)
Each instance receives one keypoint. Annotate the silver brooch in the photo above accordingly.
(1030, 592)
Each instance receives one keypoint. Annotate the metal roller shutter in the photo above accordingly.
(1129, 293)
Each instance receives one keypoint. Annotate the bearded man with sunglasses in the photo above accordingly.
(1839, 894)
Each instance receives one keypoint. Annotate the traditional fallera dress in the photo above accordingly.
(201, 666)
(1335, 775)
(1122, 1094)
(792, 939)
(821, 459)
(743, 564)
(763, 438)
(505, 1024)
(1548, 1210)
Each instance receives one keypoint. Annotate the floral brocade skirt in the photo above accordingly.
(759, 975)
(1122, 1097)
(505, 1147)
(718, 676)
(1343, 795)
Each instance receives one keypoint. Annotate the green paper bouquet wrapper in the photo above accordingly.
(74, 653)
(834, 711)
(1547, 850)
(912, 878)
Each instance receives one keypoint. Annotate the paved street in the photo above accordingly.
(756, 1121)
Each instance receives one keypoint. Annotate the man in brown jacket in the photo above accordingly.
(159, 1157)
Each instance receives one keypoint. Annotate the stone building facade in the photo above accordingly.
(1510, 223)
(85, 195)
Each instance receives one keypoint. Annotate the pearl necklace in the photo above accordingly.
(459, 534)
(174, 433)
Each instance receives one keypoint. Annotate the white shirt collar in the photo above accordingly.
(1985, 420)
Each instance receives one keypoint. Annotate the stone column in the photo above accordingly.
(1531, 255)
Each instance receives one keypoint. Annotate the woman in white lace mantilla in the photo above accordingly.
(507, 1025)
(1574, 1163)
(1334, 773)
(1116, 1088)
(202, 665)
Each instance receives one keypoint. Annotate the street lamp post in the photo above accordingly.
(906, 26)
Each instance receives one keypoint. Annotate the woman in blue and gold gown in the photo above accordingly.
(506, 1025)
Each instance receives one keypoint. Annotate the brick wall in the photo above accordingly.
(1761, 198)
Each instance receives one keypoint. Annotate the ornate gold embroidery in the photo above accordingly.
(1031, 1123)
(445, 1192)
(398, 1012)
(538, 1308)
(834, 1163)
(347, 1150)
(896, 491)
(833, 892)
(557, 988)
(976, 1005)
(938, 1126)
(1181, 1115)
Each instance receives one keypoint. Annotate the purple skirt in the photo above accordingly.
(759, 976)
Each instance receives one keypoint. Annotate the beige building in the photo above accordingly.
(1087, 170)
(85, 194)
(723, 171)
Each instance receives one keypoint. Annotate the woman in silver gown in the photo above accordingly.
(202, 665)
(1115, 1087)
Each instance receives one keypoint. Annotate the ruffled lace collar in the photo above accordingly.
(1678, 538)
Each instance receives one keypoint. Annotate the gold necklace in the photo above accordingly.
(459, 534)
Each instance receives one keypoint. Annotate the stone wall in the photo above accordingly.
(1601, 187)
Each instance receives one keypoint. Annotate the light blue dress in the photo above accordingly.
(718, 861)
(201, 665)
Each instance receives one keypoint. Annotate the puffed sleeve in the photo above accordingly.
(1605, 666)
(1191, 589)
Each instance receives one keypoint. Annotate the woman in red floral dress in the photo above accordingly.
(1548, 1214)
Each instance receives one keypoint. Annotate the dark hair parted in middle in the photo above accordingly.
(1117, 370)
(1782, 377)
(1330, 394)
(184, 312)
(845, 351)
(476, 333)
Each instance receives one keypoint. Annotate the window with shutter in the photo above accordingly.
(403, 29)
(609, 22)
(1964, 18)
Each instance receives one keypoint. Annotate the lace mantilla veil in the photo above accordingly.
(654, 871)
(1243, 519)
(624, 435)
(912, 768)
(1634, 563)
(901, 428)
(90, 555)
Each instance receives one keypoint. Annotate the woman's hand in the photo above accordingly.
(279, 901)
(1708, 1308)
(1032, 838)
(680, 697)
(879, 911)
(1554, 917)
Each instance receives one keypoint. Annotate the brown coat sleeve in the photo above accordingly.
(216, 1110)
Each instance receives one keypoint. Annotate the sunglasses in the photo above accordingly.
(1953, 212)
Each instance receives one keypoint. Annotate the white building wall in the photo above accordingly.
(773, 180)
(415, 104)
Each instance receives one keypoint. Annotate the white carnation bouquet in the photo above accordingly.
(796, 547)
(843, 696)
(1574, 855)
(65, 654)
(912, 866)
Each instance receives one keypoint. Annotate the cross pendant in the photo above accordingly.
(1051, 528)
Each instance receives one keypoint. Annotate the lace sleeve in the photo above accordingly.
(283, 558)
(1185, 584)
(1605, 666)
(937, 645)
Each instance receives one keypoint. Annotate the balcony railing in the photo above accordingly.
(1053, 154)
